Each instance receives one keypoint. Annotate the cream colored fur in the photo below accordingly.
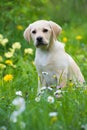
(53, 64)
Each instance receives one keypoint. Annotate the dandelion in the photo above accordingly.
(8, 54)
(16, 45)
(50, 99)
(19, 93)
(9, 62)
(8, 77)
(19, 27)
(28, 51)
(19, 102)
(2, 66)
(65, 39)
(4, 41)
(78, 37)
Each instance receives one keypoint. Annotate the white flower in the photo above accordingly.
(3, 128)
(49, 88)
(4, 41)
(51, 114)
(58, 92)
(37, 99)
(19, 93)
(8, 54)
(28, 51)
(16, 45)
(50, 99)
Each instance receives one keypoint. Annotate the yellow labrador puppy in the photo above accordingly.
(53, 64)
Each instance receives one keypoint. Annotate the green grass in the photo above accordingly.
(71, 108)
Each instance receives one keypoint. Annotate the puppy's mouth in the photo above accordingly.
(41, 44)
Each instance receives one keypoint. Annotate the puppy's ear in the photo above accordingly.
(27, 33)
(55, 28)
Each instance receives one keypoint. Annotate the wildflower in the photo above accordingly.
(19, 102)
(1, 59)
(78, 37)
(19, 27)
(2, 66)
(19, 93)
(28, 51)
(8, 54)
(58, 93)
(50, 99)
(16, 45)
(65, 39)
(3, 128)
(51, 114)
(37, 99)
(4, 41)
(9, 62)
(8, 77)
(49, 88)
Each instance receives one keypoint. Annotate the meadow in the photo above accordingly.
(20, 107)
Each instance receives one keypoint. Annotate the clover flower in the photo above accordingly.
(8, 54)
(28, 51)
(8, 77)
(3, 42)
(16, 45)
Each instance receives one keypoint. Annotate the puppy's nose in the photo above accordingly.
(39, 39)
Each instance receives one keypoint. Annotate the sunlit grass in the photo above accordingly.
(63, 109)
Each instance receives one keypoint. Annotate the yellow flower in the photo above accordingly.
(78, 37)
(65, 39)
(8, 77)
(8, 54)
(2, 66)
(53, 119)
(9, 62)
(28, 51)
(16, 45)
(19, 27)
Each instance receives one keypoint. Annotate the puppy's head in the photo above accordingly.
(42, 32)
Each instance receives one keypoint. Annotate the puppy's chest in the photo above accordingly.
(45, 63)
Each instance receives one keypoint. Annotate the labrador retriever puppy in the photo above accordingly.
(53, 64)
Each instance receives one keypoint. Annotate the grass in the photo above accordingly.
(70, 107)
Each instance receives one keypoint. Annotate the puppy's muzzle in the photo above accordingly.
(40, 41)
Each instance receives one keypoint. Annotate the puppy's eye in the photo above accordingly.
(45, 30)
(34, 31)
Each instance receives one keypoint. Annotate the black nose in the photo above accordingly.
(39, 39)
